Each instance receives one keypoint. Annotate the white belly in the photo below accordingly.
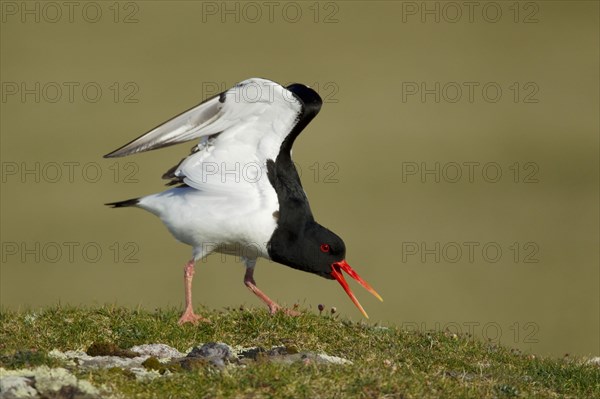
(228, 224)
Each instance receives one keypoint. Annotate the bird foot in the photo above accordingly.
(274, 308)
(190, 317)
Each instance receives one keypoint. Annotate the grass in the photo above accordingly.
(388, 362)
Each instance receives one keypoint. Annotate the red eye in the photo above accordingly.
(324, 247)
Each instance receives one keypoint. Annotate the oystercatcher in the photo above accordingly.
(238, 192)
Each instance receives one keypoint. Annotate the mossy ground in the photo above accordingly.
(387, 362)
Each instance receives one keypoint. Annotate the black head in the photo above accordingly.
(317, 250)
(313, 250)
(309, 98)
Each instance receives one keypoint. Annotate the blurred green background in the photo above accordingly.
(415, 93)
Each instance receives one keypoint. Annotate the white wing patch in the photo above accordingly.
(255, 124)
(247, 123)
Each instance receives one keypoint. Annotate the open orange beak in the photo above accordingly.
(336, 273)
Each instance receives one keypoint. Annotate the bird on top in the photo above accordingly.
(239, 192)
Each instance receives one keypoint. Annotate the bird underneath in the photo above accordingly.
(238, 192)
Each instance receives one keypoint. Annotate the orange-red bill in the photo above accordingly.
(336, 272)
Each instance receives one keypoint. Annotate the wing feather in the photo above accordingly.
(246, 125)
(183, 127)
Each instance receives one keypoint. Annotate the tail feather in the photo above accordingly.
(122, 204)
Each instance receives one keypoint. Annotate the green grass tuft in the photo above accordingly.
(386, 361)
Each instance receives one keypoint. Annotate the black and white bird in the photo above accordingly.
(239, 192)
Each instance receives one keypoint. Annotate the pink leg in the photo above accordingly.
(273, 306)
(188, 315)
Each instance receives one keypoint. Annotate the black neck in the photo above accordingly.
(295, 215)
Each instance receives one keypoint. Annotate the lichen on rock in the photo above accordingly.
(44, 382)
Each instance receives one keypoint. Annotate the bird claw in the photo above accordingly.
(288, 312)
(190, 317)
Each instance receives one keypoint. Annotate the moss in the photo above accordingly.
(152, 363)
(193, 363)
(174, 367)
(292, 349)
(109, 349)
